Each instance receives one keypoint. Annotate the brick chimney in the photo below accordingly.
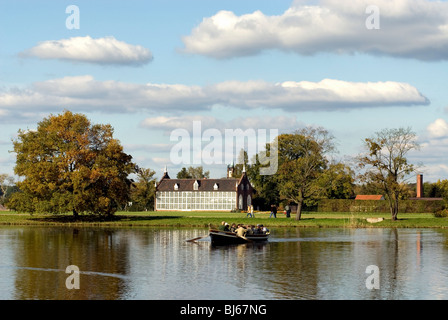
(419, 186)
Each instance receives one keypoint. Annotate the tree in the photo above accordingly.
(144, 189)
(70, 165)
(338, 181)
(266, 186)
(386, 165)
(442, 189)
(193, 173)
(6, 182)
(242, 164)
(302, 161)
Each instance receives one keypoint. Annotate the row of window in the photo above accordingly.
(187, 200)
(215, 186)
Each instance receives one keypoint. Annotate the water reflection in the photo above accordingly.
(151, 263)
(42, 256)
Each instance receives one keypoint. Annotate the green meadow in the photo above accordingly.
(210, 219)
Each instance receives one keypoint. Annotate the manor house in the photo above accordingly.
(223, 194)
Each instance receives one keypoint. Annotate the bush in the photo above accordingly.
(441, 214)
(380, 206)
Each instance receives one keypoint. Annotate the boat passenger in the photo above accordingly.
(241, 231)
(224, 226)
(233, 228)
(264, 229)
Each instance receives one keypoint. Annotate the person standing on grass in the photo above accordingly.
(288, 211)
(249, 212)
(273, 211)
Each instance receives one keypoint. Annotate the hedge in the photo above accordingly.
(380, 206)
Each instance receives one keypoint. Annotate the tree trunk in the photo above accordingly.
(395, 210)
(392, 205)
(75, 214)
(299, 211)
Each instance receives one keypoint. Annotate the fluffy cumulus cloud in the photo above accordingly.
(104, 51)
(438, 129)
(433, 151)
(84, 93)
(407, 28)
(435, 143)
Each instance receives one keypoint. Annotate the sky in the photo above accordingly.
(164, 72)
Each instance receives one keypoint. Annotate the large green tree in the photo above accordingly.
(144, 190)
(266, 190)
(385, 163)
(70, 165)
(302, 160)
(338, 181)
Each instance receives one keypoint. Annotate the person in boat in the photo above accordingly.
(224, 226)
(241, 231)
(264, 230)
(233, 228)
(250, 230)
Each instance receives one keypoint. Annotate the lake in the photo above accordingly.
(157, 263)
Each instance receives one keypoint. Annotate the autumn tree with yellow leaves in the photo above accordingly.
(70, 165)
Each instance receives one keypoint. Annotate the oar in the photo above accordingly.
(242, 237)
(194, 239)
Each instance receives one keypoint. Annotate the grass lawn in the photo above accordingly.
(206, 219)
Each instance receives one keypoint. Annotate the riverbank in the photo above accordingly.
(206, 219)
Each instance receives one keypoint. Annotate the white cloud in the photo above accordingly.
(433, 151)
(168, 124)
(408, 28)
(105, 51)
(84, 93)
(438, 128)
(328, 94)
(156, 147)
(171, 123)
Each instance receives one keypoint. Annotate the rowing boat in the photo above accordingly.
(226, 237)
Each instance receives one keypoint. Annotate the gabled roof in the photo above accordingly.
(225, 184)
(369, 197)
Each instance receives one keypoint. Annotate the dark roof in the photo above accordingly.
(225, 184)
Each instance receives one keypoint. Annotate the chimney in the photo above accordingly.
(419, 186)
(230, 170)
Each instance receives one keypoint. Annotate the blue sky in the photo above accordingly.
(150, 67)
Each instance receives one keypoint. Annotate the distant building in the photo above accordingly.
(224, 194)
(369, 197)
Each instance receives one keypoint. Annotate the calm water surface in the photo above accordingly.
(153, 263)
